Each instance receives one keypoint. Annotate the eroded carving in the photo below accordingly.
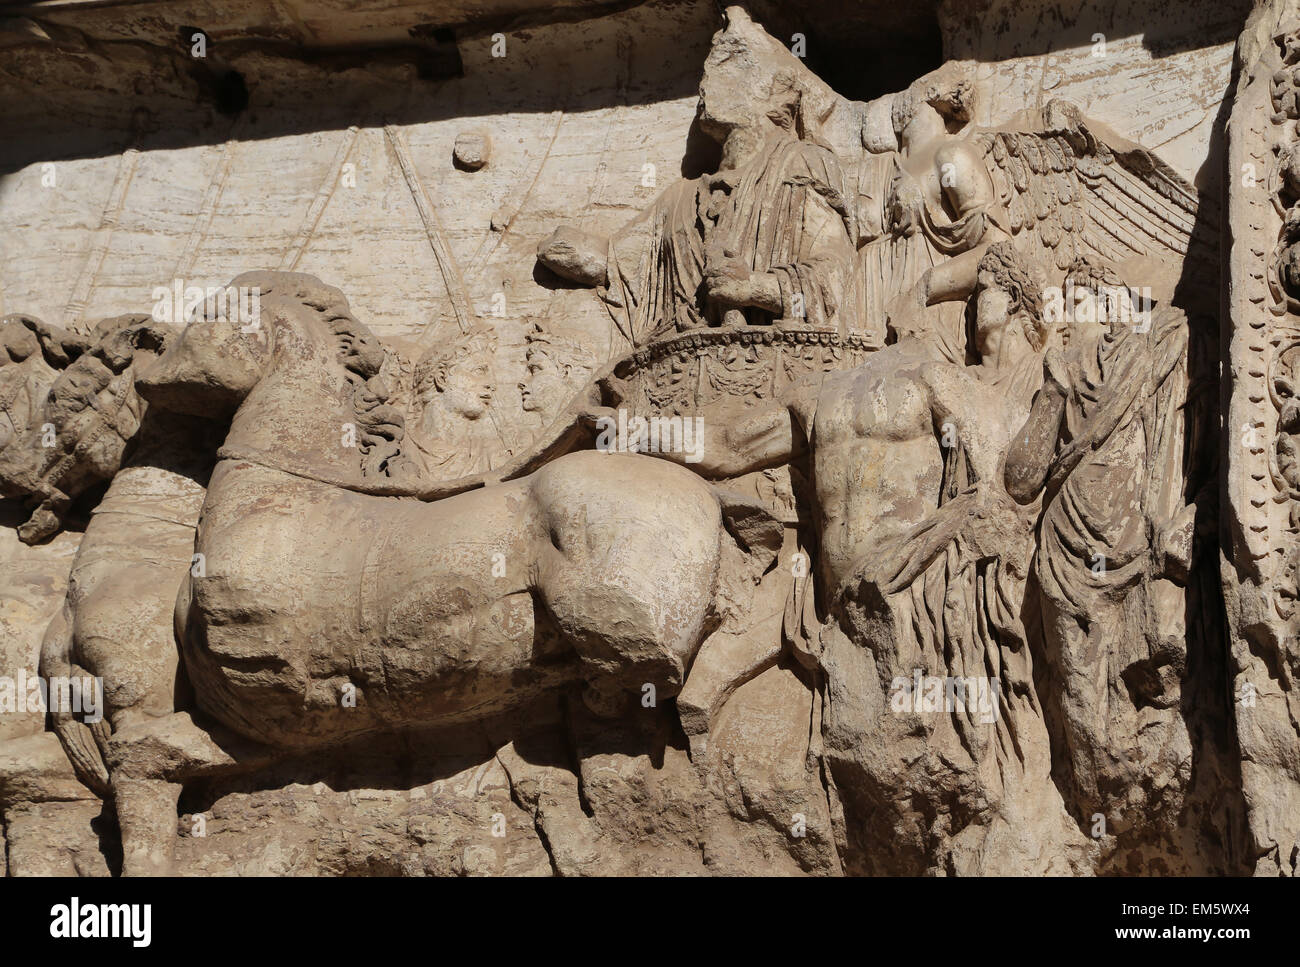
(915, 547)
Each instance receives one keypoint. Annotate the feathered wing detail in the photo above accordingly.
(1078, 189)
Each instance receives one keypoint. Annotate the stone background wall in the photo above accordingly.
(167, 168)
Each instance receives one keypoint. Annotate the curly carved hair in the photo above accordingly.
(1085, 274)
(433, 367)
(1012, 275)
(1101, 280)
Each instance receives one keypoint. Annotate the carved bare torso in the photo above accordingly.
(877, 434)
(876, 464)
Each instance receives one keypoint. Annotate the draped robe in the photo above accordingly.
(786, 212)
(1119, 466)
(1113, 624)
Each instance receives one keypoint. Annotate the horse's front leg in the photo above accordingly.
(148, 763)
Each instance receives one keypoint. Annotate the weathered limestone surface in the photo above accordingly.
(948, 351)
(1158, 74)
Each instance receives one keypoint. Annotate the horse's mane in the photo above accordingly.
(380, 425)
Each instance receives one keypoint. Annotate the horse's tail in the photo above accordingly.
(82, 743)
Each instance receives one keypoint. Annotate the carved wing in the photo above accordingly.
(1081, 190)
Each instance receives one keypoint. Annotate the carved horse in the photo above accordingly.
(324, 604)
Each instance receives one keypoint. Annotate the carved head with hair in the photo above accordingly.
(1006, 290)
(458, 376)
(941, 96)
(1097, 294)
(550, 360)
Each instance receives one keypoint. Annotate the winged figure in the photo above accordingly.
(1058, 185)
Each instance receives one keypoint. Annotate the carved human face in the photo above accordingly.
(467, 387)
(1093, 312)
(545, 381)
(992, 311)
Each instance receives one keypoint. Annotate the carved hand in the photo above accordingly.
(730, 284)
(575, 255)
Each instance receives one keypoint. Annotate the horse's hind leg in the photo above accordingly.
(630, 569)
(146, 816)
(82, 743)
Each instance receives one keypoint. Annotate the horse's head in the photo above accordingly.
(261, 322)
(80, 433)
(293, 339)
(217, 359)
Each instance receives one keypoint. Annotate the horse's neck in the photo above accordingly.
(300, 418)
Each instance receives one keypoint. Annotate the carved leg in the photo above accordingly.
(623, 642)
(82, 743)
(148, 760)
(146, 814)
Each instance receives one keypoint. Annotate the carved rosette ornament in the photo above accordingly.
(1262, 518)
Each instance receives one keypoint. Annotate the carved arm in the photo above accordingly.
(578, 256)
(1029, 458)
